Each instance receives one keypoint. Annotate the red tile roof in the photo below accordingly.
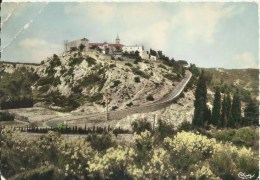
(102, 44)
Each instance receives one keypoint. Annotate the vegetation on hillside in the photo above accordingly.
(154, 154)
(15, 88)
(226, 112)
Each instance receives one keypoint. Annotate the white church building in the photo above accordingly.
(107, 48)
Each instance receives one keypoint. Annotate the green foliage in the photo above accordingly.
(6, 116)
(184, 154)
(55, 61)
(185, 126)
(137, 79)
(216, 112)
(95, 98)
(116, 83)
(75, 61)
(170, 76)
(140, 125)
(150, 97)
(112, 65)
(48, 80)
(137, 60)
(129, 64)
(91, 61)
(162, 66)
(40, 173)
(82, 47)
(129, 104)
(200, 118)
(73, 49)
(251, 113)
(18, 84)
(235, 111)
(246, 136)
(61, 127)
(226, 88)
(164, 129)
(90, 80)
(137, 71)
(100, 142)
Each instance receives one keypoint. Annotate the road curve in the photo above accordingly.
(119, 114)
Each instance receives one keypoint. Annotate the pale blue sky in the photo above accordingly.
(207, 34)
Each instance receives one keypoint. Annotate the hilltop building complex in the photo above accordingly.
(106, 48)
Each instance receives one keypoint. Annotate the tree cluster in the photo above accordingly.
(226, 112)
(18, 103)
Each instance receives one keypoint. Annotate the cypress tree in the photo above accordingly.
(224, 112)
(200, 101)
(236, 111)
(208, 116)
(215, 119)
(251, 113)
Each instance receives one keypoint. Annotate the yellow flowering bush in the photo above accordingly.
(112, 164)
(19, 154)
(203, 171)
(186, 155)
(74, 155)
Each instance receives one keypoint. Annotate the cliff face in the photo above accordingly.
(81, 79)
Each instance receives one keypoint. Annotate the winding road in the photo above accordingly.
(119, 114)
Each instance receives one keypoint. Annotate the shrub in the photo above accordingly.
(55, 61)
(137, 79)
(243, 136)
(90, 80)
(115, 160)
(164, 129)
(95, 97)
(185, 126)
(129, 104)
(150, 97)
(171, 77)
(112, 65)
(129, 64)
(91, 61)
(38, 173)
(136, 71)
(75, 61)
(6, 116)
(100, 142)
(140, 125)
(162, 66)
(143, 144)
(137, 60)
(116, 83)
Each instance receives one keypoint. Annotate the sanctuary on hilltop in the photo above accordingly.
(106, 48)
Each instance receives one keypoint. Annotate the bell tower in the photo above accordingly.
(117, 39)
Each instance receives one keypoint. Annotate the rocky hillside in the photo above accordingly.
(231, 80)
(79, 80)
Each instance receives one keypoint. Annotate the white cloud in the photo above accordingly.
(246, 60)
(32, 42)
(39, 49)
(199, 21)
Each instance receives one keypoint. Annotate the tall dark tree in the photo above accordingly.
(208, 115)
(251, 113)
(215, 119)
(224, 112)
(236, 111)
(81, 47)
(200, 102)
